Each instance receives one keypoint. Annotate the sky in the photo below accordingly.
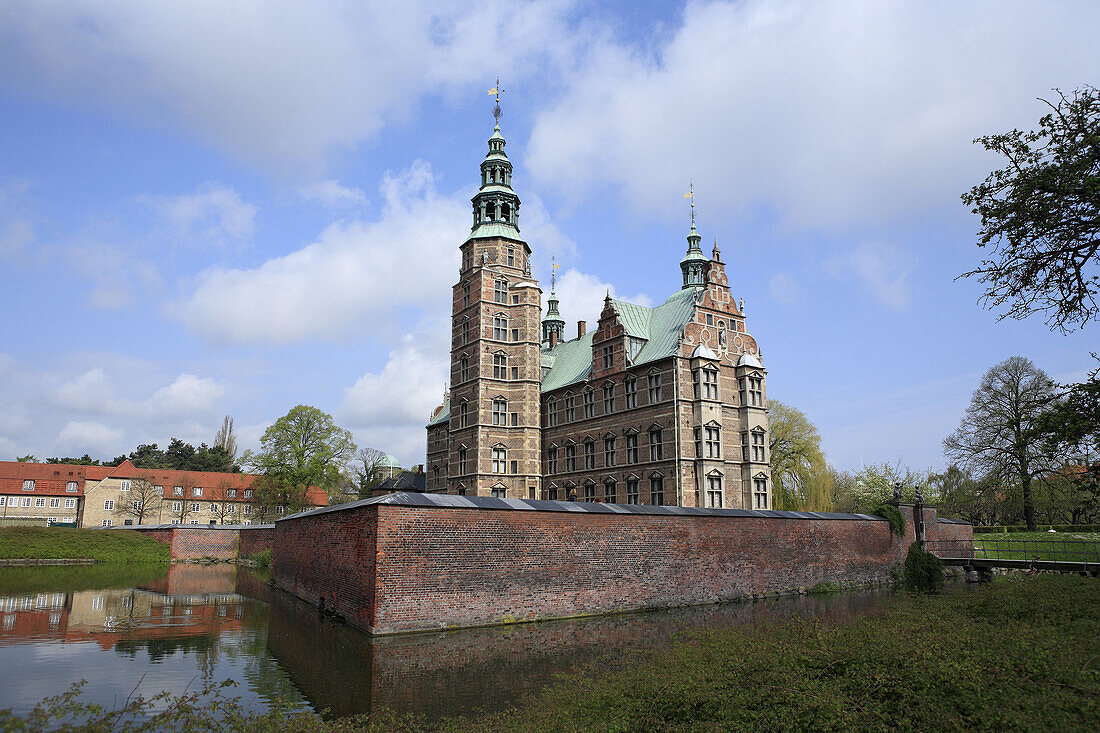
(214, 208)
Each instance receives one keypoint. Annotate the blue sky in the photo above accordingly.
(234, 208)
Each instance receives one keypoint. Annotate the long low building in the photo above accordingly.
(104, 496)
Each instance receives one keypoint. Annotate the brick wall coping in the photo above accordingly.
(189, 526)
(451, 501)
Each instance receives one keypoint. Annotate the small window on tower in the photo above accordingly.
(511, 258)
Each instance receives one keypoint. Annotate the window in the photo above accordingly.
(248, 493)
(280, 509)
(589, 403)
(4, 500)
(756, 391)
(758, 446)
(177, 506)
(500, 366)
(656, 447)
(608, 353)
(463, 465)
(500, 328)
(515, 299)
(196, 491)
(247, 509)
(177, 491)
(105, 523)
(136, 505)
(514, 467)
(499, 492)
(26, 501)
(515, 372)
(710, 319)
(231, 494)
(463, 414)
(109, 505)
(550, 494)
(124, 485)
(654, 388)
(213, 508)
(630, 387)
(589, 454)
(656, 490)
(714, 441)
(231, 509)
(590, 492)
(71, 487)
(70, 503)
(570, 458)
(570, 410)
(714, 491)
(194, 506)
(511, 258)
(28, 484)
(500, 459)
(500, 411)
(609, 451)
(40, 501)
(551, 460)
(609, 491)
(551, 413)
(464, 331)
(760, 492)
(55, 503)
(500, 291)
(608, 398)
(515, 335)
(465, 295)
(632, 491)
(632, 448)
(710, 384)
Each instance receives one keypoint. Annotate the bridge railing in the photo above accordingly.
(997, 548)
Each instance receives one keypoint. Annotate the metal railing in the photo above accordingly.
(1031, 550)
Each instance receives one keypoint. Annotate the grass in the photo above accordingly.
(107, 546)
(1069, 546)
(56, 579)
(946, 663)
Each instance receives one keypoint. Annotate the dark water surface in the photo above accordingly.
(127, 630)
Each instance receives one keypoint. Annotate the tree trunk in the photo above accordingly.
(1029, 504)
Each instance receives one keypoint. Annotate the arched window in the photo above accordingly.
(505, 212)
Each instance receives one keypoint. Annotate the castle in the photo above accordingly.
(663, 405)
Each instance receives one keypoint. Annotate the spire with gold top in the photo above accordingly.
(496, 205)
(694, 263)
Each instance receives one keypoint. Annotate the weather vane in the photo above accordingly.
(496, 109)
(553, 272)
(691, 195)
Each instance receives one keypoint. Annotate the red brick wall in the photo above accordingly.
(329, 559)
(196, 543)
(389, 568)
(255, 541)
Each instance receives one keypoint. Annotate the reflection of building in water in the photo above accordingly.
(457, 672)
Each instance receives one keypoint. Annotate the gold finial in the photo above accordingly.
(691, 195)
(496, 109)
(553, 274)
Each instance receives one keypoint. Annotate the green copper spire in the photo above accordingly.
(496, 206)
(694, 263)
(553, 322)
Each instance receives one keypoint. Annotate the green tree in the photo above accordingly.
(801, 479)
(1071, 431)
(874, 484)
(29, 458)
(961, 494)
(303, 448)
(1041, 215)
(998, 436)
(226, 439)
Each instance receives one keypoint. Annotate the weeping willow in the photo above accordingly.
(801, 477)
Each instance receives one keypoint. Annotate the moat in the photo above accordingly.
(151, 630)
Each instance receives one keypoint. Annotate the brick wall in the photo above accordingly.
(255, 541)
(389, 567)
(201, 542)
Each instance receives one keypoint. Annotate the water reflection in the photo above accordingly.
(213, 622)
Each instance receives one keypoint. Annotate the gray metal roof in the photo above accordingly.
(443, 415)
(451, 501)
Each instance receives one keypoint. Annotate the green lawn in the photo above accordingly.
(1069, 546)
(109, 546)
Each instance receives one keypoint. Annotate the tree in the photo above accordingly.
(29, 458)
(226, 439)
(997, 437)
(303, 448)
(961, 494)
(371, 467)
(874, 485)
(1041, 214)
(800, 476)
(142, 501)
(1071, 431)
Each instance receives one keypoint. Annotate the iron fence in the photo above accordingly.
(985, 547)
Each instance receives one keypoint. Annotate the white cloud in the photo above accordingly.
(331, 194)
(213, 214)
(88, 436)
(88, 392)
(581, 297)
(187, 395)
(783, 288)
(119, 279)
(883, 269)
(831, 114)
(280, 83)
(355, 273)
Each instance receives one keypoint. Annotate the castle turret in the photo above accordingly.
(553, 326)
(694, 264)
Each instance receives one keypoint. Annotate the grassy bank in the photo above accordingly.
(51, 579)
(1021, 654)
(108, 546)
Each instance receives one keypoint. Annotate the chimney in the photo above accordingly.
(553, 339)
(582, 328)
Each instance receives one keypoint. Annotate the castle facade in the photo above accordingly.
(663, 405)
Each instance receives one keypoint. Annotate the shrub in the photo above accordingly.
(262, 558)
(923, 571)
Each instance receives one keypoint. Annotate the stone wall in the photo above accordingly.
(407, 562)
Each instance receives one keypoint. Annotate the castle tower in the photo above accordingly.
(553, 327)
(694, 263)
(493, 446)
